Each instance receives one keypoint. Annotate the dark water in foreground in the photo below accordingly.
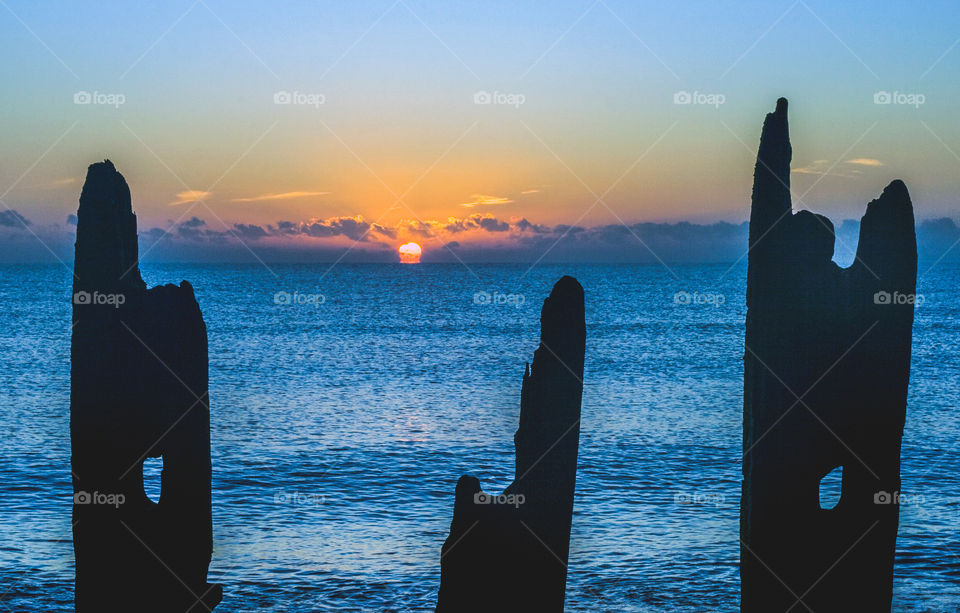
(340, 429)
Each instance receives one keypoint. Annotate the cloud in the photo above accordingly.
(565, 229)
(283, 227)
(828, 169)
(191, 195)
(424, 229)
(865, 162)
(249, 231)
(56, 183)
(190, 229)
(12, 219)
(493, 225)
(71, 219)
(354, 228)
(482, 223)
(280, 196)
(820, 168)
(485, 200)
(488, 238)
(525, 226)
(530, 191)
(452, 225)
(65, 181)
(478, 232)
(817, 167)
(475, 238)
(197, 230)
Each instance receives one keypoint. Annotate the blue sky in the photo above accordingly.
(584, 106)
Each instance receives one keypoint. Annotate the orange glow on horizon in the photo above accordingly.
(410, 253)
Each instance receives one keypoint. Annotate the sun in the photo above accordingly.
(410, 253)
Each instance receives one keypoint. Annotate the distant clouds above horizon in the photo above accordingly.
(473, 238)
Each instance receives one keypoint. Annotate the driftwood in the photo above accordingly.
(138, 389)
(827, 362)
(510, 551)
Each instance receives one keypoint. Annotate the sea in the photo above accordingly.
(346, 401)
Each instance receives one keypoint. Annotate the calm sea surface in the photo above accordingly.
(339, 431)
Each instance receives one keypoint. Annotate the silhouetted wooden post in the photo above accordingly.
(138, 389)
(510, 551)
(827, 362)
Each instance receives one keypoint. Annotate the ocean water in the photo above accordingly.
(341, 424)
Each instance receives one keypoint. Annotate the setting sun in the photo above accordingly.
(410, 253)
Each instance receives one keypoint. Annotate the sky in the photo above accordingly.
(492, 127)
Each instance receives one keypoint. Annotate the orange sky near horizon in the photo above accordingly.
(573, 121)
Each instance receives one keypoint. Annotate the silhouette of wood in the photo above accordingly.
(510, 551)
(138, 389)
(827, 362)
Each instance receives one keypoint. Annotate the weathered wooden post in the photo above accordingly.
(510, 551)
(138, 389)
(827, 362)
